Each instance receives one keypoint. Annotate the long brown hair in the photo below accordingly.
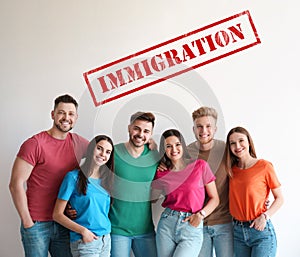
(164, 158)
(106, 171)
(230, 159)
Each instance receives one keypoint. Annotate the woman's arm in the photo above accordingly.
(277, 203)
(212, 203)
(260, 222)
(60, 217)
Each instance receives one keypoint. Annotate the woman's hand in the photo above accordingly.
(259, 223)
(194, 219)
(88, 236)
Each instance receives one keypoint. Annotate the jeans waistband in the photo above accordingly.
(242, 223)
(177, 213)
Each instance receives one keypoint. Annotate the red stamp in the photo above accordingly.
(171, 58)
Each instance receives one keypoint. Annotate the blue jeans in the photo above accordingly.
(97, 248)
(249, 242)
(219, 238)
(141, 245)
(176, 238)
(46, 236)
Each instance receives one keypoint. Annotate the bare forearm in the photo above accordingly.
(278, 201)
(211, 205)
(60, 217)
(275, 206)
(68, 223)
(20, 201)
(214, 200)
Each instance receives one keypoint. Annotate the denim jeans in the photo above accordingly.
(97, 248)
(141, 245)
(46, 236)
(176, 238)
(249, 242)
(218, 238)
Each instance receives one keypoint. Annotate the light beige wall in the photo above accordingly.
(46, 46)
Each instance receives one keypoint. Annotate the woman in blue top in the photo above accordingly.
(89, 192)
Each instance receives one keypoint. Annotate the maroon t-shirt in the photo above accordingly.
(51, 159)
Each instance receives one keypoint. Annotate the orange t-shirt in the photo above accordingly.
(250, 188)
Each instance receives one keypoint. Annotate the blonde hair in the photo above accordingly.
(205, 111)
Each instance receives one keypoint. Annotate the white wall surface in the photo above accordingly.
(46, 46)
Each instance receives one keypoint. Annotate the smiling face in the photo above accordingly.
(140, 132)
(205, 129)
(239, 145)
(102, 153)
(173, 149)
(64, 116)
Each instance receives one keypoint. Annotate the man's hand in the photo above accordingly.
(152, 145)
(70, 213)
(161, 167)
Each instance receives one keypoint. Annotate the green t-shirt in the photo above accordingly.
(131, 214)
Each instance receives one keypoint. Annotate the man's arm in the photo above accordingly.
(155, 194)
(20, 173)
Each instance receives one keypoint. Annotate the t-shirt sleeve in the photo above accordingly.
(208, 175)
(80, 146)
(67, 187)
(157, 182)
(271, 176)
(29, 151)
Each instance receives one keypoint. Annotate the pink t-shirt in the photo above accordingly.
(184, 190)
(51, 159)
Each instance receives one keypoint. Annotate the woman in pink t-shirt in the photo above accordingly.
(183, 184)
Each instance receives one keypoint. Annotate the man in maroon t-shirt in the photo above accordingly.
(41, 164)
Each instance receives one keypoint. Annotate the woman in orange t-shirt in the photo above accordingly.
(251, 181)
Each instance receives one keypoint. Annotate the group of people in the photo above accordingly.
(81, 198)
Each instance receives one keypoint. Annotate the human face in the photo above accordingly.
(205, 129)
(64, 116)
(140, 132)
(239, 145)
(102, 152)
(173, 148)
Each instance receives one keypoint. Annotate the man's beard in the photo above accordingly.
(58, 126)
(136, 145)
(205, 141)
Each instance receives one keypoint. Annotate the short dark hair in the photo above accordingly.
(146, 116)
(65, 99)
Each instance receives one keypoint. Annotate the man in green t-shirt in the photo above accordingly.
(130, 214)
